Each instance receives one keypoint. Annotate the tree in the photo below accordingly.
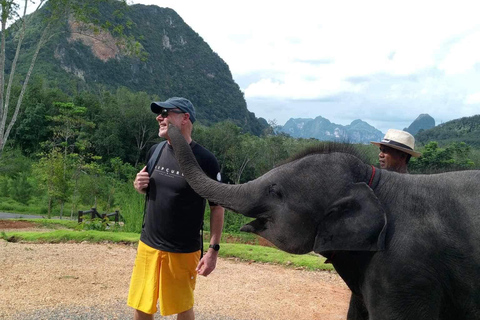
(434, 159)
(138, 120)
(68, 125)
(50, 170)
(54, 12)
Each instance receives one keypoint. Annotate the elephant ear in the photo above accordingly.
(355, 222)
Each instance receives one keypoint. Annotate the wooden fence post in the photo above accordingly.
(80, 214)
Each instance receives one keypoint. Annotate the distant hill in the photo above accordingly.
(423, 122)
(460, 130)
(179, 63)
(322, 129)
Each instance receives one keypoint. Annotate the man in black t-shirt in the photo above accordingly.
(168, 256)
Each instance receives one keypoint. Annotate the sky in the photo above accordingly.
(384, 62)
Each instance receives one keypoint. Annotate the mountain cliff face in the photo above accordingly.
(179, 63)
(423, 122)
(322, 129)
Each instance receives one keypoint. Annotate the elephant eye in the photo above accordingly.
(273, 189)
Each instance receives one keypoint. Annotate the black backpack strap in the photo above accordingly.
(154, 158)
(150, 167)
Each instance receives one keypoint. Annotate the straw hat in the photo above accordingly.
(400, 140)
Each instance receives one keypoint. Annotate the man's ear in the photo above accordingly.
(186, 117)
(354, 222)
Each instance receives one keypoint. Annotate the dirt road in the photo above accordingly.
(38, 280)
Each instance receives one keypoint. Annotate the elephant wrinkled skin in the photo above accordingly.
(408, 246)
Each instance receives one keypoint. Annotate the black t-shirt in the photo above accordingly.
(174, 211)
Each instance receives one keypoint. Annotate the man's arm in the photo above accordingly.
(209, 260)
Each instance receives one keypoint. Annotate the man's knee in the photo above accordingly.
(186, 315)
(139, 315)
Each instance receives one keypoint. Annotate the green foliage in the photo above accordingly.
(13, 163)
(434, 159)
(132, 205)
(68, 124)
(465, 129)
(53, 18)
(94, 224)
(51, 172)
(234, 221)
(22, 189)
(4, 187)
(58, 236)
(54, 223)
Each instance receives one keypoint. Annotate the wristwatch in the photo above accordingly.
(215, 247)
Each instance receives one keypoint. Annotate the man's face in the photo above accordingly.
(391, 159)
(173, 116)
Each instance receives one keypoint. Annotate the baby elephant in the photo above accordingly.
(408, 246)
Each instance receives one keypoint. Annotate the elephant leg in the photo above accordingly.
(357, 309)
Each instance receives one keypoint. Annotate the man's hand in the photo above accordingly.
(208, 263)
(141, 181)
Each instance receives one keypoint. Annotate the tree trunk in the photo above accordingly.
(242, 168)
(62, 204)
(12, 72)
(4, 139)
(49, 207)
(2, 74)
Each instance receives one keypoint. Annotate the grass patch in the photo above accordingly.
(262, 254)
(58, 236)
(53, 224)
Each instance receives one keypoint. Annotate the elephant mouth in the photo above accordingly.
(255, 226)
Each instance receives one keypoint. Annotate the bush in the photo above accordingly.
(21, 190)
(131, 205)
(94, 224)
(4, 187)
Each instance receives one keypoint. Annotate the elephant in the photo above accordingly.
(407, 245)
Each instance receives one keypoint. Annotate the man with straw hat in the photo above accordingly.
(396, 149)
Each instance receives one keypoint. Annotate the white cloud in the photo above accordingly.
(473, 99)
(463, 55)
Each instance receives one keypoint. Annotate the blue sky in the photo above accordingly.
(384, 62)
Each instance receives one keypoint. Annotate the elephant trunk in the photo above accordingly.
(228, 196)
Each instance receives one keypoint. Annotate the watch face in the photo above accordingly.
(215, 247)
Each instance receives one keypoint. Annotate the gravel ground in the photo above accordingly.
(90, 281)
(115, 311)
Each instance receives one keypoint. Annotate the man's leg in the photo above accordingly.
(177, 284)
(139, 315)
(143, 293)
(186, 315)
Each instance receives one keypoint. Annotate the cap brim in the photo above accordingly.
(410, 152)
(156, 107)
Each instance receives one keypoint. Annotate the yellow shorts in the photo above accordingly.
(164, 276)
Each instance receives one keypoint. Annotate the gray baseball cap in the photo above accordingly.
(172, 103)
